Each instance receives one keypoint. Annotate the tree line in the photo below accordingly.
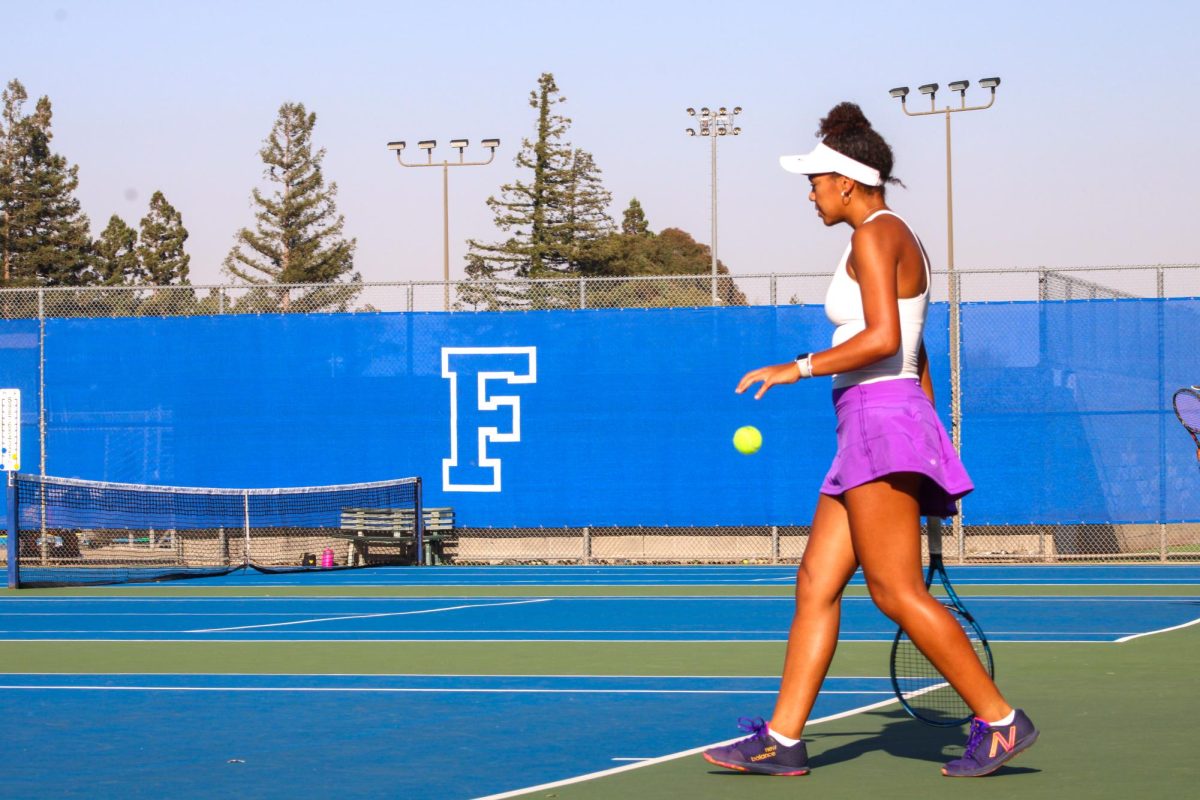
(555, 216)
(558, 226)
(45, 238)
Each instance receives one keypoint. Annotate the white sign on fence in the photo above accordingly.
(10, 430)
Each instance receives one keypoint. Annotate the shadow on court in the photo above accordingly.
(900, 736)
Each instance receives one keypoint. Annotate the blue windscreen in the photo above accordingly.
(606, 417)
(519, 419)
(1067, 411)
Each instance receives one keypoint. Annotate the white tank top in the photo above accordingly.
(843, 306)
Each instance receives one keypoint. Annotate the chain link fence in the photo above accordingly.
(778, 544)
(762, 544)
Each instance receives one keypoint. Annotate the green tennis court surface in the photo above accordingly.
(596, 715)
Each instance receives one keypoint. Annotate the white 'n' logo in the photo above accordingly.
(473, 407)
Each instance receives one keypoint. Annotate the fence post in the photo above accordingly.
(774, 544)
(774, 290)
(587, 545)
(583, 292)
(1164, 395)
(41, 295)
(956, 524)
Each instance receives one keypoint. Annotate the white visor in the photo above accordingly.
(825, 159)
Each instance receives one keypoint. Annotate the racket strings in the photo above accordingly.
(1187, 408)
(923, 690)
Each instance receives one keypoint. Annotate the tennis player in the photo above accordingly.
(894, 463)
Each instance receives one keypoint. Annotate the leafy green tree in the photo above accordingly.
(114, 255)
(298, 233)
(44, 239)
(553, 218)
(637, 251)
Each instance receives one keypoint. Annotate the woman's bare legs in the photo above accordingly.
(885, 527)
(827, 566)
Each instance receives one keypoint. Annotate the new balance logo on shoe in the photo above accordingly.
(999, 741)
(988, 748)
(768, 752)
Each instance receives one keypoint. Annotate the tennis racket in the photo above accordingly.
(1187, 408)
(921, 689)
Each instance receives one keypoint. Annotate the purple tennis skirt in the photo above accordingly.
(889, 427)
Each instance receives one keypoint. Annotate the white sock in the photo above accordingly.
(783, 740)
(1006, 721)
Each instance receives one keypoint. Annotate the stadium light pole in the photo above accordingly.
(714, 124)
(428, 146)
(931, 89)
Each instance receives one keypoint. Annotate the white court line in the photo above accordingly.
(368, 616)
(599, 636)
(10, 600)
(671, 757)
(1160, 630)
(395, 690)
(389, 690)
(504, 675)
(426, 640)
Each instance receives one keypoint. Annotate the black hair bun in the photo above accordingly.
(844, 119)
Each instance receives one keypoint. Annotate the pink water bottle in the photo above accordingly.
(327, 557)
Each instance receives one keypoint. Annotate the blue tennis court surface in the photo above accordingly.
(451, 736)
(289, 736)
(716, 575)
(599, 619)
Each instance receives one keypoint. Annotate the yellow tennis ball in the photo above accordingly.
(747, 439)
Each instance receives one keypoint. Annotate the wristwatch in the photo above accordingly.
(804, 362)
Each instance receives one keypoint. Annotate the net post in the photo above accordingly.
(246, 528)
(419, 524)
(14, 549)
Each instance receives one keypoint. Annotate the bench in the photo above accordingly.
(393, 528)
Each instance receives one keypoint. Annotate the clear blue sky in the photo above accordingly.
(1088, 157)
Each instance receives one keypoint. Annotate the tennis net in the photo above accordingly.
(65, 531)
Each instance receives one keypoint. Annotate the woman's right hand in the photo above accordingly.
(774, 375)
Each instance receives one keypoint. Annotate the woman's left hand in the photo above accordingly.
(774, 375)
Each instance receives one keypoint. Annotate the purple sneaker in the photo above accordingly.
(759, 752)
(988, 748)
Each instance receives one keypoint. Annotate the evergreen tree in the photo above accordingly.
(633, 222)
(10, 120)
(553, 217)
(585, 219)
(298, 234)
(114, 255)
(160, 249)
(44, 238)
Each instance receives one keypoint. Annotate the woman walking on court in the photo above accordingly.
(894, 463)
